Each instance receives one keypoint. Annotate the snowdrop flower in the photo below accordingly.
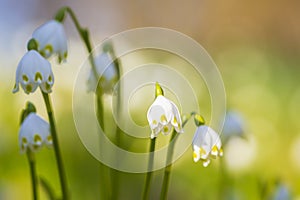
(107, 69)
(33, 71)
(34, 132)
(163, 115)
(233, 126)
(206, 145)
(51, 39)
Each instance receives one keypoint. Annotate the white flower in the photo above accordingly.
(33, 71)
(34, 132)
(233, 126)
(206, 145)
(107, 69)
(51, 39)
(163, 115)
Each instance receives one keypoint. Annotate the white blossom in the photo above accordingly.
(107, 69)
(51, 39)
(34, 133)
(233, 126)
(163, 115)
(33, 70)
(206, 145)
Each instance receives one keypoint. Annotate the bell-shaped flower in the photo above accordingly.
(51, 39)
(34, 133)
(233, 126)
(33, 71)
(163, 115)
(106, 74)
(206, 145)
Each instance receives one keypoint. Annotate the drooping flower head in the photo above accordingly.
(233, 126)
(163, 115)
(206, 145)
(51, 39)
(107, 69)
(33, 71)
(34, 133)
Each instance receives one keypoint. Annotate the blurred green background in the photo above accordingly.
(256, 46)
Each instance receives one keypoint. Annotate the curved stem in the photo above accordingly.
(62, 175)
(33, 174)
(84, 34)
(149, 173)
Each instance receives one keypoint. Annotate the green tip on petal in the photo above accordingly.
(32, 44)
(199, 120)
(158, 90)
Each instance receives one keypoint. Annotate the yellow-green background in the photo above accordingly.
(256, 46)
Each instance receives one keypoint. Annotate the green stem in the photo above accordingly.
(84, 34)
(114, 173)
(168, 168)
(31, 161)
(62, 175)
(149, 173)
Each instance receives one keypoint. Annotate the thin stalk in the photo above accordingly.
(149, 173)
(168, 168)
(33, 174)
(114, 173)
(59, 162)
(84, 34)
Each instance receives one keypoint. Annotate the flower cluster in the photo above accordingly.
(34, 70)
(163, 116)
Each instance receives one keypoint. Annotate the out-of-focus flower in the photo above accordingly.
(51, 39)
(107, 69)
(163, 115)
(206, 145)
(34, 133)
(233, 126)
(282, 193)
(33, 71)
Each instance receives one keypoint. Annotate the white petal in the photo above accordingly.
(33, 71)
(51, 38)
(196, 153)
(106, 71)
(233, 126)
(33, 127)
(160, 111)
(206, 163)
